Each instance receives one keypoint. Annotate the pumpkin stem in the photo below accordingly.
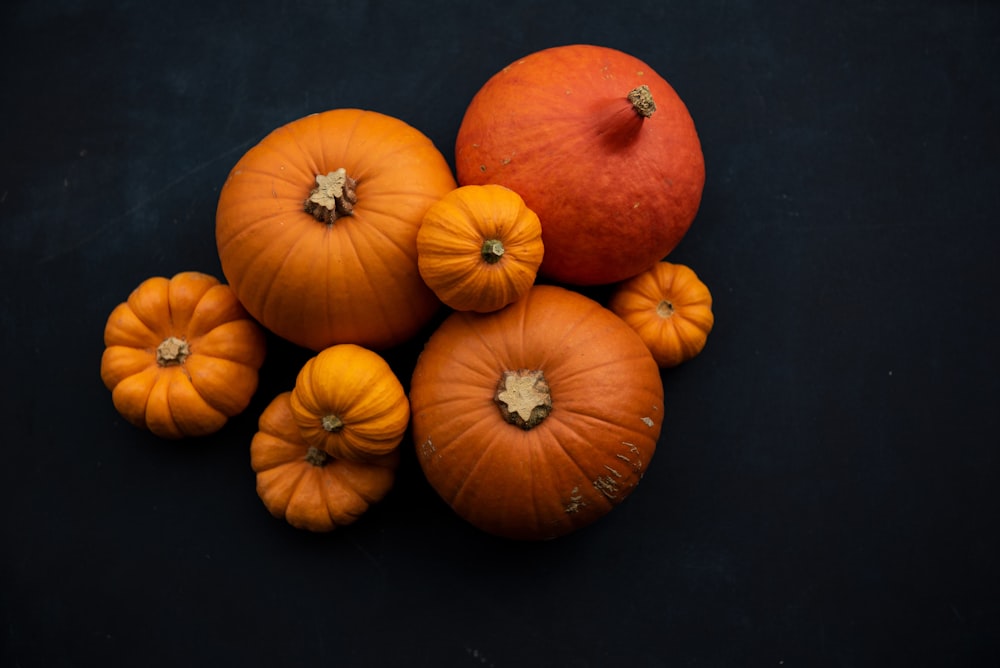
(665, 309)
(316, 457)
(523, 397)
(172, 351)
(492, 251)
(333, 197)
(332, 423)
(642, 101)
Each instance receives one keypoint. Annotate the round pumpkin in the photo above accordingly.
(316, 228)
(304, 485)
(348, 402)
(670, 309)
(479, 247)
(181, 355)
(535, 420)
(600, 146)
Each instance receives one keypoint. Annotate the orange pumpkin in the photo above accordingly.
(671, 310)
(535, 420)
(479, 248)
(181, 355)
(316, 228)
(599, 146)
(348, 402)
(304, 485)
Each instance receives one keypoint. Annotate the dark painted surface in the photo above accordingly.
(825, 490)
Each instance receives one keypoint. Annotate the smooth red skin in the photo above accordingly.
(615, 192)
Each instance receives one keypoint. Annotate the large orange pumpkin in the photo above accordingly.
(306, 486)
(181, 355)
(537, 419)
(599, 146)
(316, 228)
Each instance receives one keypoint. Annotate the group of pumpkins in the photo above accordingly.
(533, 409)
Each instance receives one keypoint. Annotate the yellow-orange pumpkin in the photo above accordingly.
(348, 402)
(599, 146)
(479, 248)
(537, 419)
(316, 228)
(305, 486)
(181, 355)
(671, 310)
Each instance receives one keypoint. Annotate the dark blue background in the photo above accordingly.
(825, 492)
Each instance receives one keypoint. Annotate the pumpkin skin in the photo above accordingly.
(306, 487)
(615, 190)
(181, 355)
(349, 403)
(479, 248)
(322, 256)
(535, 420)
(670, 309)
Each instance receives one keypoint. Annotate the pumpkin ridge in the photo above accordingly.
(368, 276)
(291, 250)
(455, 437)
(250, 229)
(147, 303)
(470, 475)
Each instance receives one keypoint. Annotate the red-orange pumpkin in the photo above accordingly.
(599, 146)
(537, 419)
(316, 228)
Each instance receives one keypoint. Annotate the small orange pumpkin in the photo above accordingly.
(304, 485)
(599, 146)
(671, 310)
(479, 247)
(535, 420)
(181, 355)
(316, 228)
(348, 402)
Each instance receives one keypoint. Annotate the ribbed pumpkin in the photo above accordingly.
(600, 146)
(316, 228)
(537, 419)
(479, 247)
(305, 486)
(348, 402)
(671, 310)
(181, 355)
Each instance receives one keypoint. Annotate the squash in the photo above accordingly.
(670, 309)
(600, 146)
(316, 229)
(534, 421)
(479, 247)
(181, 355)
(348, 402)
(305, 486)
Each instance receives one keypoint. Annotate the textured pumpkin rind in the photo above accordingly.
(582, 460)
(309, 497)
(217, 379)
(356, 280)
(360, 388)
(450, 248)
(675, 339)
(615, 193)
